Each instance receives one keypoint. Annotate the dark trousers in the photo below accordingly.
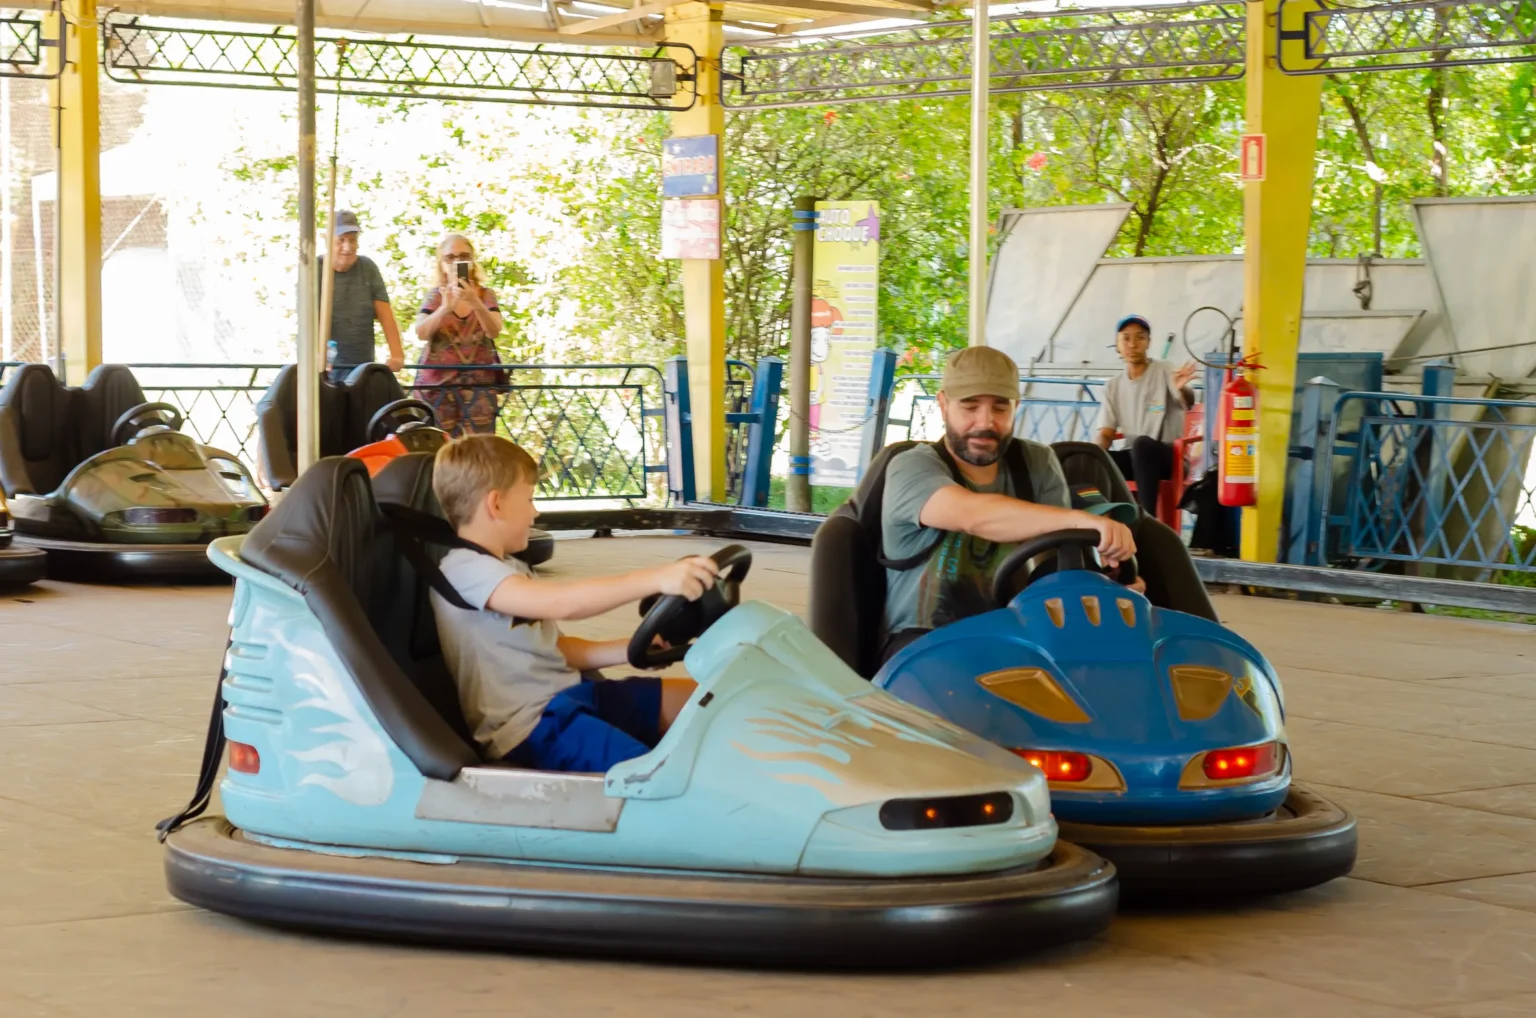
(1149, 463)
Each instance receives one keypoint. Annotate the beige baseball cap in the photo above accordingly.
(980, 371)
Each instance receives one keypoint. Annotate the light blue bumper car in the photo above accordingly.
(791, 815)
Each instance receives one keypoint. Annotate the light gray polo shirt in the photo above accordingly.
(506, 673)
(1150, 405)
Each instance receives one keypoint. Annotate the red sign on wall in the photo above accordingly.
(1251, 158)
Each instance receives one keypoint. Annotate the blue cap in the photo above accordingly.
(1133, 320)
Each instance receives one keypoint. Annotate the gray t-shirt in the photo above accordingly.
(506, 673)
(955, 582)
(352, 313)
(1150, 405)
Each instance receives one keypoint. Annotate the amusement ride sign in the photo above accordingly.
(844, 329)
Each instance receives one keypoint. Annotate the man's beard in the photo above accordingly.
(960, 446)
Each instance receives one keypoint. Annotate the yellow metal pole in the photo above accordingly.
(78, 294)
(701, 26)
(1277, 215)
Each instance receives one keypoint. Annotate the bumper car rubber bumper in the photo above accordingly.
(103, 562)
(21, 565)
(1307, 841)
(681, 915)
(541, 548)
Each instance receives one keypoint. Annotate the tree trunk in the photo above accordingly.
(1363, 134)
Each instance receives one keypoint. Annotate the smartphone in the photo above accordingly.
(462, 268)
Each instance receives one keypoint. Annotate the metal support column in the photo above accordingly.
(981, 64)
(797, 486)
(1276, 219)
(77, 296)
(309, 359)
(702, 26)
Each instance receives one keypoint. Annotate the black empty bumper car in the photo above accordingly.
(108, 486)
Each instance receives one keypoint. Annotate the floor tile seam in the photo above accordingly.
(1424, 797)
(1256, 975)
(97, 634)
(171, 908)
(1401, 731)
(1432, 735)
(1464, 880)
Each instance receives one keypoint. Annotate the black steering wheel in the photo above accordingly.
(401, 415)
(678, 620)
(1075, 549)
(145, 415)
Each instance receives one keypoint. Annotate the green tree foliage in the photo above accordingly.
(565, 204)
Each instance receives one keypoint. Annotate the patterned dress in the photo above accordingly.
(466, 401)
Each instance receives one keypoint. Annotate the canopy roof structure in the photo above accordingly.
(590, 22)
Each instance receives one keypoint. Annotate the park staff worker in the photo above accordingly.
(1145, 404)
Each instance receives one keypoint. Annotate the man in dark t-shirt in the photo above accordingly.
(358, 299)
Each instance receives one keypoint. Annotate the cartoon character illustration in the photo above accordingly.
(825, 320)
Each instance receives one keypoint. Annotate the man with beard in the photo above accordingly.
(981, 519)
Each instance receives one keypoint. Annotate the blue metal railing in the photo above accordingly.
(1051, 409)
(1435, 480)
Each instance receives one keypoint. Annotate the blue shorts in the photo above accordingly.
(592, 726)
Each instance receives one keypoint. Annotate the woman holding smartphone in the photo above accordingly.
(459, 321)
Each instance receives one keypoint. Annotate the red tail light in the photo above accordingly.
(244, 758)
(1059, 765)
(1241, 762)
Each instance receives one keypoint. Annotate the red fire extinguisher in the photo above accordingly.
(1237, 429)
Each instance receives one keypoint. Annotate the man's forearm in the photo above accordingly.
(998, 518)
(386, 316)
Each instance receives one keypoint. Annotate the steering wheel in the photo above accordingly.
(401, 415)
(678, 620)
(1075, 549)
(136, 419)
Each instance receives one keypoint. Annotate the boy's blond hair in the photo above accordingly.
(468, 468)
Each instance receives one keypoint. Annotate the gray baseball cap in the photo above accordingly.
(346, 222)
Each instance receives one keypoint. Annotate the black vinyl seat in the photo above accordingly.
(328, 540)
(47, 429)
(848, 583)
(345, 410)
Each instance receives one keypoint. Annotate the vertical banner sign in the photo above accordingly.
(844, 329)
(1251, 158)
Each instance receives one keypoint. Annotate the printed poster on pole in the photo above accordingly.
(844, 330)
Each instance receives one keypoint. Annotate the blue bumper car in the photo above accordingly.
(792, 814)
(1161, 732)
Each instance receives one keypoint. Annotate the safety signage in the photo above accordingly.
(1251, 158)
(844, 329)
(690, 166)
(690, 228)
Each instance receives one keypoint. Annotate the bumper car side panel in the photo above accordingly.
(1309, 841)
(103, 562)
(680, 915)
(21, 565)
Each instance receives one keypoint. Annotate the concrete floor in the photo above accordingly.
(1425, 726)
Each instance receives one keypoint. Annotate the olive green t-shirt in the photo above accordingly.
(956, 580)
